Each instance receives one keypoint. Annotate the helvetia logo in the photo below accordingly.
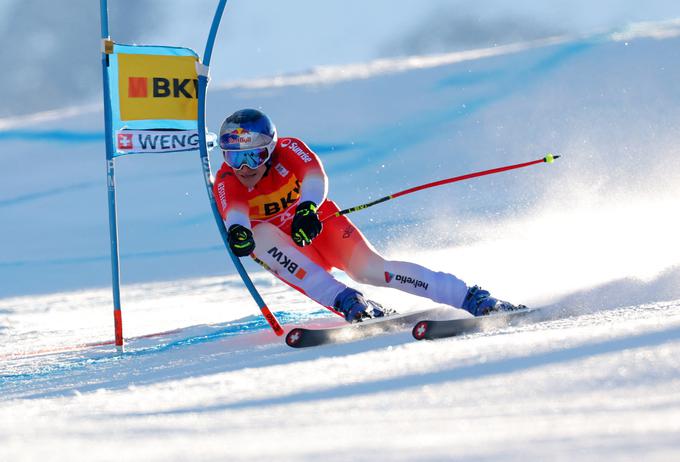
(389, 277)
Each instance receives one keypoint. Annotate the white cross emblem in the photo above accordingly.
(421, 329)
(124, 141)
(294, 337)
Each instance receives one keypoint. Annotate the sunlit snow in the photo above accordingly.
(592, 238)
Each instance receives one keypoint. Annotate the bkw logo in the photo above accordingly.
(138, 87)
(287, 263)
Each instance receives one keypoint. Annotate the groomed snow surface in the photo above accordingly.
(591, 238)
(592, 386)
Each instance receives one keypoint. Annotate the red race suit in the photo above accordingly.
(294, 175)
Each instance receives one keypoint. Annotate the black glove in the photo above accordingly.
(306, 224)
(241, 240)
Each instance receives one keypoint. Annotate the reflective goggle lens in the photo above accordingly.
(253, 158)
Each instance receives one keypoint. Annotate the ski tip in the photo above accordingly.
(420, 330)
(550, 158)
(293, 338)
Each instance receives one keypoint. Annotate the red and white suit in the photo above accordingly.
(296, 175)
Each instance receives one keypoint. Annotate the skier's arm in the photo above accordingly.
(307, 167)
(314, 187)
(234, 213)
(232, 207)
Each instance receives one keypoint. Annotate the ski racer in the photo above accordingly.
(272, 195)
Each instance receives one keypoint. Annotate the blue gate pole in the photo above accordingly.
(110, 176)
(205, 162)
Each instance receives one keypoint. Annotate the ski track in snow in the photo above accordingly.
(203, 377)
(578, 384)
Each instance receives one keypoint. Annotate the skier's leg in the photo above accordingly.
(344, 246)
(277, 250)
(302, 272)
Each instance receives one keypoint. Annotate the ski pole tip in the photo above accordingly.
(550, 158)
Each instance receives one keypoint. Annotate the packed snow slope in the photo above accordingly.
(590, 237)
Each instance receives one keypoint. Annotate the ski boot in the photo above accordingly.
(352, 305)
(479, 302)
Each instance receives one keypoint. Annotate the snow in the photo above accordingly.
(597, 386)
(590, 238)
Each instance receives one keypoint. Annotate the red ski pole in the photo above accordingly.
(547, 159)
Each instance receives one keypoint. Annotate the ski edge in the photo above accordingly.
(432, 329)
(301, 337)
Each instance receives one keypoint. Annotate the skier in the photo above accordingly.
(271, 193)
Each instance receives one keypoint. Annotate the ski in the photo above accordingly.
(301, 337)
(434, 329)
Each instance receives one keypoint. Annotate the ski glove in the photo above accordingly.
(306, 224)
(241, 240)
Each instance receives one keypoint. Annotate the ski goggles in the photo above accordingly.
(252, 158)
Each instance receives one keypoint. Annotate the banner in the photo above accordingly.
(137, 141)
(154, 99)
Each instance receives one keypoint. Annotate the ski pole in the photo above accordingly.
(205, 162)
(550, 158)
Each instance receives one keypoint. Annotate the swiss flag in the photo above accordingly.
(124, 141)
